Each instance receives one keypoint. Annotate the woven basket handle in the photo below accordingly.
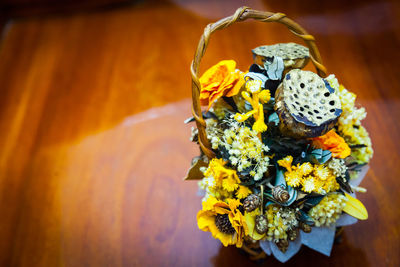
(241, 14)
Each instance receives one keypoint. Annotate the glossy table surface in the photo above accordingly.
(93, 147)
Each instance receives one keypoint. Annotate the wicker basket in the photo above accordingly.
(242, 14)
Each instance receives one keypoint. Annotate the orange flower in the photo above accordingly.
(333, 142)
(220, 80)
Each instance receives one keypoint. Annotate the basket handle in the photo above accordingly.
(241, 14)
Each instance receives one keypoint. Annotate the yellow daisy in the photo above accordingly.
(310, 184)
(224, 220)
(305, 168)
(243, 192)
(322, 172)
(293, 178)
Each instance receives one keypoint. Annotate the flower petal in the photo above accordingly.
(266, 246)
(205, 220)
(294, 247)
(320, 239)
(345, 219)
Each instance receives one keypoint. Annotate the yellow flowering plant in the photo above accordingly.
(280, 166)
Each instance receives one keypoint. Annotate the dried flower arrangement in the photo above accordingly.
(282, 149)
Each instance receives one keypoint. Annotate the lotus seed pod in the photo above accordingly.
(306, 104)
(294, 56)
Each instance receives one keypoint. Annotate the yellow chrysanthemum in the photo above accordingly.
(333, 142)
(286, 162)
(230, 184)
(220, 80)
(206, 220)
(330, 184)
(310, 184)
(224, 177)
(322, 172)
(253, 86)
(243, 192)
(305, 169)
(293, 178)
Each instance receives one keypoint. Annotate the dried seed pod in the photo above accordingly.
(251, 202)
(223, 224)
(293, 234)
(306, 104)
(194, 135)
(261, 224)
(294, 56)
(282, 244)
(280, 194)
(305, 227)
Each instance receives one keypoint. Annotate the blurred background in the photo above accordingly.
(93, 149)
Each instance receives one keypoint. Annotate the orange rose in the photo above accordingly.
(333, 142)
(220, 80)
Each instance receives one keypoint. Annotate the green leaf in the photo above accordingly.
(274, 118)
(326, 155)
(313, 201)
(305, 218)
(280, 179)
(317, 153)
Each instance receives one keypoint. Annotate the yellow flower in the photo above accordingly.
(259, 125)
(322, 172)
(310, 184)
(293, 178)
(286, 162)
(333, 142)
(230, 184)
(214, 211)
(224, 178)
(264, 96)
(326, 212)
(242, 117)
(253, 86)
(220, 80)
(330, 184)
(243, 192)
(305, 168)
(280, 220)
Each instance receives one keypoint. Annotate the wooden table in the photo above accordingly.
(93, 145)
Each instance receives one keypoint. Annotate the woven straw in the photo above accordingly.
(241, 14)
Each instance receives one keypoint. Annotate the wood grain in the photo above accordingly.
(93, 145)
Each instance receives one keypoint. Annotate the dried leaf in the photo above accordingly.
(274, 118)
(194, 172)
(250, 218)
(355, 208)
